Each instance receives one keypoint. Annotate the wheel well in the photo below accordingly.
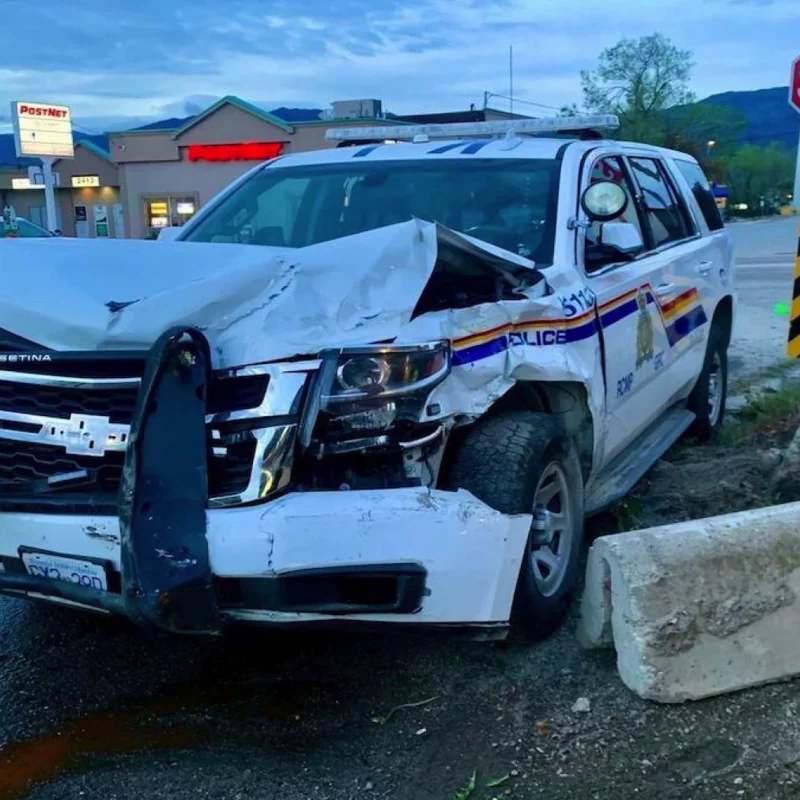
(723, 318)
(566, 402)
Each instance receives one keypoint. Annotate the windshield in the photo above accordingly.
(507, 202)
(25, 230)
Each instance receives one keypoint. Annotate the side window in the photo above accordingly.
(664, 215)
(701, 189)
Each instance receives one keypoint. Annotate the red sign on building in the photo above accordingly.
(241, 151)
(794, 86)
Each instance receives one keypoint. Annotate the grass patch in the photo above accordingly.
(766, 414)
(779, 370)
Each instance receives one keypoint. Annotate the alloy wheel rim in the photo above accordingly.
(714, 390)
(550, 540)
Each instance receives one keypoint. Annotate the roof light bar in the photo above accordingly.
(458, 130)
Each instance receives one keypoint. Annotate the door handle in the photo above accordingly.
(664, 290)
(704, 267)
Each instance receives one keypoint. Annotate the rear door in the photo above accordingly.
(680, 268)
(715, 255)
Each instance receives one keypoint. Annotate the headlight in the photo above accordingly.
(363, 374)
(373, 391)
(387, 371)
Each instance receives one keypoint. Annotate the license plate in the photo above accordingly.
(61, 568)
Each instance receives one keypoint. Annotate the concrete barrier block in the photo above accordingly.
(698, 608)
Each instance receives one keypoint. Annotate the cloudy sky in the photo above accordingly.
(121, 62)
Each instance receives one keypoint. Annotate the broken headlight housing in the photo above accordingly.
(370, 392)
(383, 372)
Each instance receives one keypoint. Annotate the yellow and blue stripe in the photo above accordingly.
(680, 316)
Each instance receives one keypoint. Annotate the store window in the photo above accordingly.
(168, 211)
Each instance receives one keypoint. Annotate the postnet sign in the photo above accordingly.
(42, 129)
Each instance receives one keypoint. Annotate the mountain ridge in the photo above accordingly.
(768, 115)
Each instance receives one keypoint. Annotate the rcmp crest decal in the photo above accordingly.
(645, 342)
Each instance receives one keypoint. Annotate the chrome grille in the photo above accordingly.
(53, 425)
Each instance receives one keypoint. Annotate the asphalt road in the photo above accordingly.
(92, 708)
(765, 257)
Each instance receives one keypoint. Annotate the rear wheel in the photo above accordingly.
(710, 394)
(519, 462)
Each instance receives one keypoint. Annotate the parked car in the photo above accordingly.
(372, 384)
(25, 230)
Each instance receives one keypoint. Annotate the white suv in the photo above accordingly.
(398, 409)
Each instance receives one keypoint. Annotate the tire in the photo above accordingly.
(710, 393)
(512, 461)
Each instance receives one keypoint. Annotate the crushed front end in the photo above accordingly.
(299, 491)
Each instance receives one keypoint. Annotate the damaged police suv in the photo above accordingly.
(380, 383)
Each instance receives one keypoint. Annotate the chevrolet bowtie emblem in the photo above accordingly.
(81, 434)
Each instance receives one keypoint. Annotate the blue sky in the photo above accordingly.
(121, 62)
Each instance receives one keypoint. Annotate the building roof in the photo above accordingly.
(443, 118)
(97, 144)
(232, 100)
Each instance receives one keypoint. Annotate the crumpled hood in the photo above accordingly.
(252, 303)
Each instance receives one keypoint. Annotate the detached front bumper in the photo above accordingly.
(383, 556)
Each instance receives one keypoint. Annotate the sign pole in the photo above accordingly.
(49, 193)
(796, 195)
(793, 343)
(43, 130)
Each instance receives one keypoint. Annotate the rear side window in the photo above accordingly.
(664, 216)
(701, 189)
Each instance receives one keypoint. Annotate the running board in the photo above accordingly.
(630, 466)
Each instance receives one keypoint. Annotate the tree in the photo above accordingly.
(709, 133)
(638, 79)
(761, 173)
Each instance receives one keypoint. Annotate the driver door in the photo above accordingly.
(635, 339)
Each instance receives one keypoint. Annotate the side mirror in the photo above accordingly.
(622, 237)
(616, 242)
(604, 201)
(168, 234)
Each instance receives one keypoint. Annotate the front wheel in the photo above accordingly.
(520, 462)
(710, 394)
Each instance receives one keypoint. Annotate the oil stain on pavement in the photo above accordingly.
(180, 719)
(23, 765)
